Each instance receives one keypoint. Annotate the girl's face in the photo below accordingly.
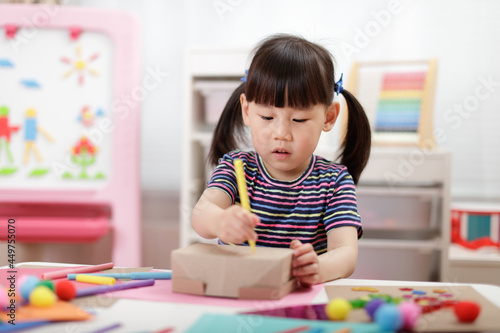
(286, 138)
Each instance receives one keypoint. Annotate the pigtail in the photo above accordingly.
(357, 141)
(230, 128)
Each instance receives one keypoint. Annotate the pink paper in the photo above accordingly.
(162, 292)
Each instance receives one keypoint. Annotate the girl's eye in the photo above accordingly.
(299, 120)
(266, 118)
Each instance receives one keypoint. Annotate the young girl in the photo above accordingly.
(298, 200)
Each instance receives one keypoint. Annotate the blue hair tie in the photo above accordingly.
(338, 86)
(244, 79)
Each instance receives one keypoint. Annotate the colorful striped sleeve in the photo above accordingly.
(224, 178)
(342, 209)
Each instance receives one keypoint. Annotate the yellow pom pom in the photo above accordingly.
(42, 296)
(338, 309)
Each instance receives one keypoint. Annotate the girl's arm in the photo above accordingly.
(338, 262)
(214, 216)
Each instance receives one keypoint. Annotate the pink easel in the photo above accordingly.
(83, 215)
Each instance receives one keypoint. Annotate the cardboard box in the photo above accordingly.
(232, 271)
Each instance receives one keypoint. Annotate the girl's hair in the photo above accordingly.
(293, 72)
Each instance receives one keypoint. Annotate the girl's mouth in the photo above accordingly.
(281, 153)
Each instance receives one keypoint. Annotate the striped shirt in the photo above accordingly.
(321, 199)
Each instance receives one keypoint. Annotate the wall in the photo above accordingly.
(462, 35)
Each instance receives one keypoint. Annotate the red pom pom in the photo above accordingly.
(467, 312)
(65, 290)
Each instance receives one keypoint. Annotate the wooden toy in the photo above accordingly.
(452, 308)
(232, 271)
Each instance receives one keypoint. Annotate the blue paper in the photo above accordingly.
(223, 323)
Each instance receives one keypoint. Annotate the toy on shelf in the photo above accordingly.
(398, 97)
(475, 225)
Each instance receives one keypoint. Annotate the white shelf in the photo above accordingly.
(485, 255)
(474, 266)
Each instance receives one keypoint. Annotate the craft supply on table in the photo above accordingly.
(131, 276)
(242, 189)
(84, 269)
(115, 287)
(95, 279)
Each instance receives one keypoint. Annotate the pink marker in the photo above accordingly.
(85, 269)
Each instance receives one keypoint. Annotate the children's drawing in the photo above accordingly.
(30, 83)
(31, 130)
(80, 66)
(6, 63)
(88, 117)
(5, 131)
(83, 154)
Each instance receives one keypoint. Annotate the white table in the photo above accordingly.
(148, 316)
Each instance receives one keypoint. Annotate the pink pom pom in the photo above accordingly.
(411, 311)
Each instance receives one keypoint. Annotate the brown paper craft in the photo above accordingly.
(232, 271)
(442, 320)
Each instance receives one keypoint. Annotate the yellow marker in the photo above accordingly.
(95, 279)
(242, 188)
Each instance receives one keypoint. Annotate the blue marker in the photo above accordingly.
(131, 276)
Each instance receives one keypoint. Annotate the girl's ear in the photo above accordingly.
(332, 113)
(244, 109)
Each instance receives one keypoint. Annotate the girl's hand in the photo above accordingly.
(305, 263)
(237, 225)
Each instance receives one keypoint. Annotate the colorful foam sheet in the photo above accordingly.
(60, 311)
(441, 320)
(251, 323)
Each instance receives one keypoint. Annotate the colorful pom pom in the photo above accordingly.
(466, 311)
(372, 306)
(47, 283)
(410, 312)
(42, 296)
(65, 290)
(4, 299)
(388, 317)
(338, 309)
(28, 284)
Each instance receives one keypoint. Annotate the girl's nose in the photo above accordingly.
(282, 132)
